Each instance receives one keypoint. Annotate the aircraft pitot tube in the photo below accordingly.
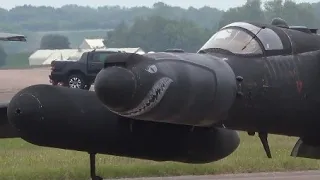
(178, 88)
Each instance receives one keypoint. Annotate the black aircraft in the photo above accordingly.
(186, 107)
(12, 37)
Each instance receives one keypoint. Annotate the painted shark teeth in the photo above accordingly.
(153, 97)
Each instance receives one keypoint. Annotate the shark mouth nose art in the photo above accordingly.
(151, 100)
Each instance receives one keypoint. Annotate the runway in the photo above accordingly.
(299, 175)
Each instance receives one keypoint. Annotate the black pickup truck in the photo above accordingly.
(79, 73)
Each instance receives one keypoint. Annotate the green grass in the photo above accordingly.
(23, 161)
(17, 60)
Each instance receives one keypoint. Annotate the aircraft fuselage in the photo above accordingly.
(280, 92)
(255, 78)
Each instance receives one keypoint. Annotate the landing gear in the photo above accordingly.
(264, 140)
(93, 167)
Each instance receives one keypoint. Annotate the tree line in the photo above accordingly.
(73, 17)
(157, 33)
(157, 28)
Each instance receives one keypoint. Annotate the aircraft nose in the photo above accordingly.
(115, 86)
(23, 112)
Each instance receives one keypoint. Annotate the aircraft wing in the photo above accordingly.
(6, 130)
(12, 37)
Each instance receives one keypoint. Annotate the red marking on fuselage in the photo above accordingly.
(299, 85)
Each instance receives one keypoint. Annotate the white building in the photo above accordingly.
(92, 44)
(136, 50)
(45, 57)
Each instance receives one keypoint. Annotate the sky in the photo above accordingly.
(220, 4)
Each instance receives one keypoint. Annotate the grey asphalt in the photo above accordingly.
(300, 175)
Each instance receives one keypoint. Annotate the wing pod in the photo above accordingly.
(75, 119)
(178, 88)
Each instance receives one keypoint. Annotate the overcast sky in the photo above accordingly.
(220, 4)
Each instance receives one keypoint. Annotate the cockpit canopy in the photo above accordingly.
(239, 38)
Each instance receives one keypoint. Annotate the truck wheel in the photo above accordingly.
(76, 81)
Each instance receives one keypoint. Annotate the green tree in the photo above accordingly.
(157, 33)
(73, 17)
(293, 13)
(3, 56)
(118, 37)
(54, 41)
(28, 19)
(290, 11)
(250, 11)
(273, 9)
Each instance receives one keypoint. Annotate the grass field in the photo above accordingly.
(23, 161)
(17, 60)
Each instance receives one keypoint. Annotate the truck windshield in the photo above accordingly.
(101, 56)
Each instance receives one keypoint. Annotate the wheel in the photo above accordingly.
(76, 81)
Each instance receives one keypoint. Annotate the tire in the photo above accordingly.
(76, 81)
